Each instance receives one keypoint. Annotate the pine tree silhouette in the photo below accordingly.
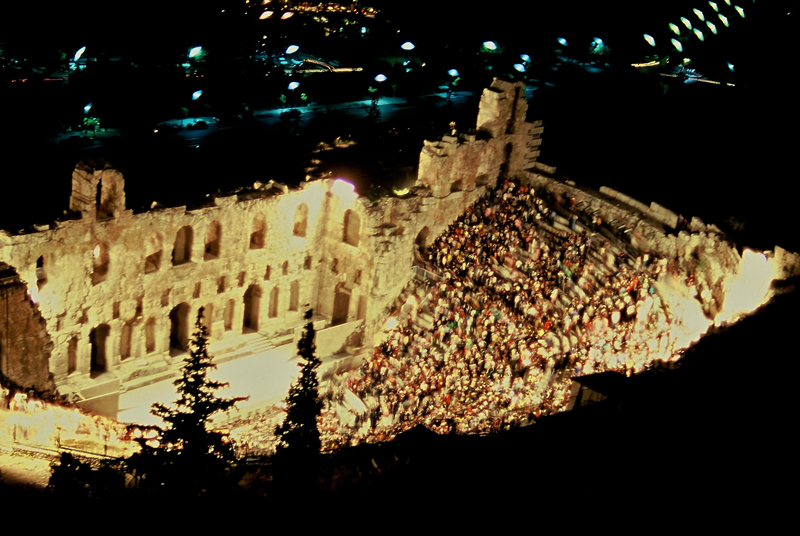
(186, 454)
(298, 436)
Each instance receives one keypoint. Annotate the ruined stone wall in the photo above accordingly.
(119, 292)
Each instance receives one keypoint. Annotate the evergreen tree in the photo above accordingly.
(298, 436)
(186, 454)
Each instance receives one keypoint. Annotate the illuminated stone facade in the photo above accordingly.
(119, 291)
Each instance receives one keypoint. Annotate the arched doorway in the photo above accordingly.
(125, 340)
(422, 239)
(273, 302)
(179, 329)
(341, 307)
(99, 362)
(252, 306)
(182, 249)
(150, 335)
(72, 355)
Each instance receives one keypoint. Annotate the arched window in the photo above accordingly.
(213, 235)
(150, 335)
(273, 302)
(258, 233)
(179, 329)
(252, 308)
(98, 337)
(182, 249)
(100, 263)
(352, 228)
(72, 355)
(41, 275)
(300, 220)
(125, 340)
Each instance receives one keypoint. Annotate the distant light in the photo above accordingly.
(343, 189)
(196, 95)
(363, 30)
(650, 40)
(675, 29)
(562, 41)
(408, 45)
(713, 6)
(711, 27)
(728, 2)
(677, 45)
(524, 57)
(452, 72)
(519, 67)
(699, 34)
(87, 108)
(294, 85)
(265, 15)
(739, 10)
(291, 49)
(730, 66)
(287, 15)
(686, 22)
(687, 61)
(79, 53)
(491, 45)
(699, 14)
(195, 51)
(724, 19)
(597, 41)
(380, 78)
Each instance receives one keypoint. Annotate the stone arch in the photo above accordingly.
(294, 296)
(422, 239)
(341, 306)
(252, 307)
(72, 355)
(182, 248)
(98, 338)
(274, 295)
(213, 236)
(179, 329)
(150, 335)
(352, 228)
(125, 340)
(100, 263)
(41, 274)
(300, 226)
(227, 315)
(259, 232)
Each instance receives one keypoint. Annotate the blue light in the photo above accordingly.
(519, 67)
(597, 42)
(195, 51)
(730, 66)
(491, 45)
(562, 41)
(525, 57)
(294, 85)
(452, 72)
(380, 78)
(196, 94)
(87, 108)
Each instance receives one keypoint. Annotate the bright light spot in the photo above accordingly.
(491, 45)
(699, 14)
(519, 67)
(713, 6)
(87, 108)
(452, 72)
(724, 19)
(739, 10)
(728, 2)
(79, 53)
(730, 66)
(524, 57)
(400, 191)
(677, 44)
(711, 27)
(196, 94)
(195, 51)
(650, 40)
(344, 190)
(562, 41)
(699, 34)
(294, 85)
(291, 49)
(749, 287)
(675, 29)
(96, 251)
(287, 15)
(265, 15)
(686, 22)
(597, 41)
(391, 323)
(380, 78)
(686, 61)
(408, 45)
(363, 30)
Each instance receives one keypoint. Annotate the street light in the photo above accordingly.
(490, 45)
(408, 45)
(194, 52)
(291, 49)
